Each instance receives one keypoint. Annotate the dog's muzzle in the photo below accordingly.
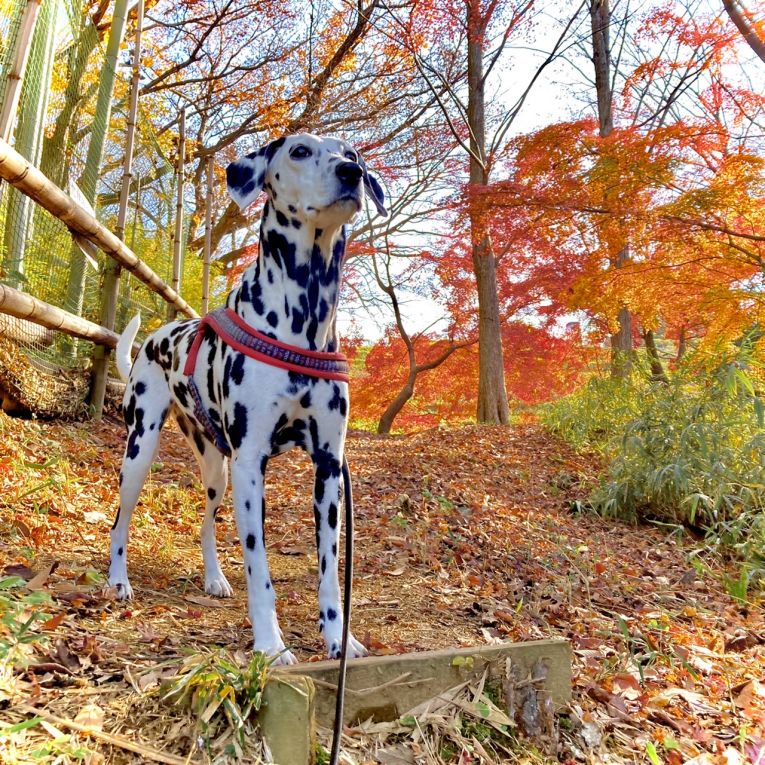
(349, 174)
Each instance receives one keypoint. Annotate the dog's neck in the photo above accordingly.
(291, 292)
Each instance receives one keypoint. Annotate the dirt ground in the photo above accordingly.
(463, 537)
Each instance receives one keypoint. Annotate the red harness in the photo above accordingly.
(234, 331)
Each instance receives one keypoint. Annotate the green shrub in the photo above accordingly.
(691, 452)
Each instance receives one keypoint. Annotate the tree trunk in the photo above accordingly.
(657, 368)
(395, 406)
(682, 345)
(492, 395)
(57, 149)
(747, 30)
(600, 19)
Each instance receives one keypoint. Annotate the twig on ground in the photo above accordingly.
(108, 738)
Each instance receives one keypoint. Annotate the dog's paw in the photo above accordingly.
(355, 649)
(219, 587)
(285, 659)
(279, 654)
(123, 590)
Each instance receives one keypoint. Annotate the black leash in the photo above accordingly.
(337, 729)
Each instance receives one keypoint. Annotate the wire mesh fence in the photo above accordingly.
(58, 118)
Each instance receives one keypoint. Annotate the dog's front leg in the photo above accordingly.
(326, 501)
(248, 483)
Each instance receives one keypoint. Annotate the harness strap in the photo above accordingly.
(234, 331)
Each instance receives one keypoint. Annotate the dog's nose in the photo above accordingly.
(348, 172)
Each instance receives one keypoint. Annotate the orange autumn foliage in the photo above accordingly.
(538, 367)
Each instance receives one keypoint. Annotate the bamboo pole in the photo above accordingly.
(16, 73)
(208, 239)
(178, 233)
(112, 269)
(88, 181)
(28, 140)
(30, 181)
(24, 306)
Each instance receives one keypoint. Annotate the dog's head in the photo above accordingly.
(318, 179)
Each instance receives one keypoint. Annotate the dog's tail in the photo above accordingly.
(122, 355)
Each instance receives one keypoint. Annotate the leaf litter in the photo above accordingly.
(464, 537)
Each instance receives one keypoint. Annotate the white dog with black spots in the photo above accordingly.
(315, 186)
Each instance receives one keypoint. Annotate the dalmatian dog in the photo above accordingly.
(315, 185)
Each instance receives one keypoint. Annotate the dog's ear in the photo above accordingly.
(245, 176)
(374, 189)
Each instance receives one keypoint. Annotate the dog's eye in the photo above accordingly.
(350, 154)
(300, 152)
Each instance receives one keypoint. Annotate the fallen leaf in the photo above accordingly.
(19, 569)
(38, 581)
(91, 716)
(95, 516)
(53, 622)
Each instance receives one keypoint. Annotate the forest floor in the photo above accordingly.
(463, 537)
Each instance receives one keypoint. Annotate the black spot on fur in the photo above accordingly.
(338, 401)
(237, 369)
(211, 493)
(120, 552)
(140, 388)
(272, 319)
(199, 441)
(297, 321)
(129, 412)
(305, 400)
(237, 429)
(227, 375)
(250, 541)
(180, 390)
(281, 218)
(331, 614)
(238, 174)
(133, 449)
(332, 515)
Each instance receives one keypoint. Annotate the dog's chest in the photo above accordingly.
(244, 396)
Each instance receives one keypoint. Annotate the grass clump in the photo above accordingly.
(215, 681)
(690, 452)
(21, 615)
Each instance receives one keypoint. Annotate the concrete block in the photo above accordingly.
(385, 687)
(287, 720)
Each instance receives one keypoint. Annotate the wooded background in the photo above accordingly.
(628, 234)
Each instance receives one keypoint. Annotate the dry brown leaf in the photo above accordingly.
(91, 716)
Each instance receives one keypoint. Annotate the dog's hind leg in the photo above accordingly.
(214, 468)
(146, 403)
